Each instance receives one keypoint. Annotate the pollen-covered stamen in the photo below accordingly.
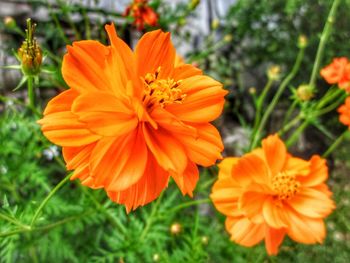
(161, 91)
(285, 185)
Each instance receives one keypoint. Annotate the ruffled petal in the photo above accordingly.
(244, 232)
(273, 239)
(168, 151)
(155, 50)
(84, 66)
(188, 180)
(274, 213)
(147, 188)
(304, 229)
(250, 168)
(64, 129)
(203, 102)
(318, 172)
(118, 163)
(205, 148)
(104, 114)
(185, 71)
(312, 203)
(275, 153)
(62, 102)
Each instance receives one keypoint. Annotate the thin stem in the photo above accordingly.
(260, 103)
(44, 202)
(277, 96)
(150, 218)
(27, 228)
(188, 204)
(296, 134)
(324, 37)
(12, 220)
(31, 92)
(290, 124)
(335, 144)
(289, 113)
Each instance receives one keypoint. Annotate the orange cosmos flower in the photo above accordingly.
(142, 13)
(132, 119)
(344, 111)
(338, 72)
(267, 194)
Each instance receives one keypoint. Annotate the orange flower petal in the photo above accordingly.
(312, 203)
(251, 203)
(226, 167)
(64, 129)
(203, 102)
(274, 214)
(188, 180)
(104, 114)
(185, 71)
(148, 188)
(244, 232)
(250, 168)
(205, 148)
(305, 229)
(83, 66)
(273, 239)
(297, 166)
(275, 153)
(318, 172)
(155, 50)
(62, 102)
(166, 149)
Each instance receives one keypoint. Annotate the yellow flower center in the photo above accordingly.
(285, 185)
(161, 91)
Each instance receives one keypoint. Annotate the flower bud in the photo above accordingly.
(30, 52)
(305, 92)
(193, 4)
(228, 38)
(175, 229)
(205, 240)
(273, 73)
(9, 22)
(156, 257)
(252, 90)
(215, 24)
(302, 41)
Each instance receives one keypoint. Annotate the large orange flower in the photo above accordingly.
(142, 13)
(132, 119)
(267, 194)
(344, 112)
(338, 72)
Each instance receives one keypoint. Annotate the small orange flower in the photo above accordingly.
(142, 13)
(338, 72)
(344, 111)
(267, 194)
(130, 120)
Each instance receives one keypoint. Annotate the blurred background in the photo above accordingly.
(233, 41)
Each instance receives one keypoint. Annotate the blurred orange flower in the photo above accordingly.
(132, 119)
(267, 194)
(338, 72)
(344, 111)
(143, 14)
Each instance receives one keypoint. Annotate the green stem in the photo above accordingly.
(151, 218)
(260, 103)
(12, 220)
(31, 92)
(44, 202)
(277, 96)
(330, 96)
(335, 144)
(27, 228)
(290, 124)
(289, 113)
(296, 133)
(188, 204)
(324, 37)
